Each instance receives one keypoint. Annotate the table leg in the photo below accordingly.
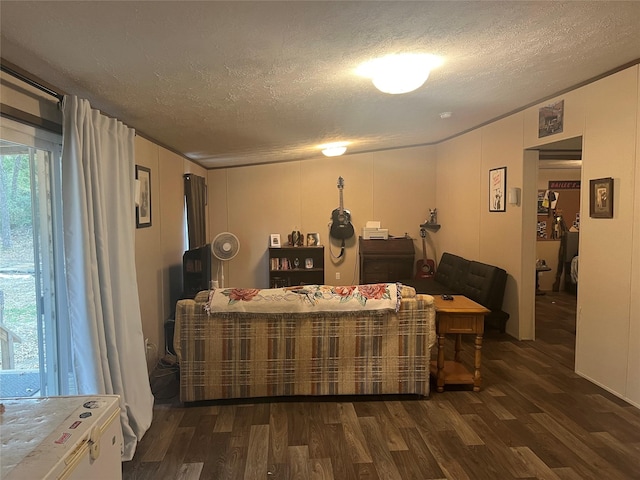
(477, 378)
(538, 291)
(440, 364)
(458, 347)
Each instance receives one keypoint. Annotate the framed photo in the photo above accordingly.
(543, 207)
(497, 188)
(601, 198)
(143, 209)
(313, 239)
(551, 119)
(274, 240)
(308, 263)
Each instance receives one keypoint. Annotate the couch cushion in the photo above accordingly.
(485, 284)
(430, 287)
(452, 271)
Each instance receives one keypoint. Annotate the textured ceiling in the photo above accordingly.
(234, 83)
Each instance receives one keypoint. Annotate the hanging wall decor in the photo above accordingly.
(551, 119)
(497, 187)
(601, 198)
(143, 209)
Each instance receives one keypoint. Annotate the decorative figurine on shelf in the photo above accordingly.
(558, 225)
(433, 216)
(296, 239)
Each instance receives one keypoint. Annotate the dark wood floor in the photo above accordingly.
(534, 419)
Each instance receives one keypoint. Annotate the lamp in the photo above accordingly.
(401, 73)
(334, 149)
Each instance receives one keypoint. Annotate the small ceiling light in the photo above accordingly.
(446, 115)
(400, 73)
(334, 149)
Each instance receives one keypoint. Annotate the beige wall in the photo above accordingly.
(501, 233)
(468, 228)
(396, 187)
(605, 113)
(633, 365)
(459, 196)
(148, 252)
(608, 291)
(159, 248)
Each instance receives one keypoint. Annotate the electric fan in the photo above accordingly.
(224, 247)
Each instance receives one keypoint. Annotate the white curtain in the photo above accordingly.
(98, 182)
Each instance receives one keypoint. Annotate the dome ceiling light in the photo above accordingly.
(400, 73)
(334, 149)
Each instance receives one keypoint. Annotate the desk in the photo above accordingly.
(542, 268)
(386, 260)
(459, 316)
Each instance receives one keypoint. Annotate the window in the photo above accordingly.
(36, 356)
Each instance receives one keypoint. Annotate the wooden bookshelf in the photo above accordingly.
(284, 271)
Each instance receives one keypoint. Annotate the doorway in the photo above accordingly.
(558, 227)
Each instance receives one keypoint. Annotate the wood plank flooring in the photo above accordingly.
(533, 419)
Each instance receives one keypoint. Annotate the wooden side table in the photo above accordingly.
(458, 316)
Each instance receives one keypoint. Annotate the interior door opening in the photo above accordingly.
(557, 245)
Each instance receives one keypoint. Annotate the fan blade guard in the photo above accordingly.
(225, 246)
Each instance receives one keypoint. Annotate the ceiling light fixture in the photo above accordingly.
(400, 73)
(334, 149)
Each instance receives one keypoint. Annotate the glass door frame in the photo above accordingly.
(53, 331)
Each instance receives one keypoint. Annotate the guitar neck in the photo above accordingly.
(341, 207)
(424, 250)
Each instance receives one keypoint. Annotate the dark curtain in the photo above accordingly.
(195, 192)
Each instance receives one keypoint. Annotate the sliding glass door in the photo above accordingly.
(36, 353)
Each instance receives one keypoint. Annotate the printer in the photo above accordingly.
(372, 231)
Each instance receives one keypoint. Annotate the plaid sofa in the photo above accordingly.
(242, 355)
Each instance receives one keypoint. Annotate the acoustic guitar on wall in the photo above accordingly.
(425, 268)
(341, 227)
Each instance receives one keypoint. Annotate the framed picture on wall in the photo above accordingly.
(601, 198)
(551, 119)
(497, 187)
(143, 197)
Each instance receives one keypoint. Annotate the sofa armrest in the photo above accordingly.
(485, 285)
(424, 304)
(185, 309)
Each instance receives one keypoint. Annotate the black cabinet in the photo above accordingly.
(383, 261)
(291, 266)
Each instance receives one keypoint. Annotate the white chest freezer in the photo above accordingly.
(61, 438)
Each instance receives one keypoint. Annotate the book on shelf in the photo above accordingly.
(280, 264)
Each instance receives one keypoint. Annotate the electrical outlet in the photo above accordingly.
(337, 275)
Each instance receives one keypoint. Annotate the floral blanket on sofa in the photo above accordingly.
(306, 299)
